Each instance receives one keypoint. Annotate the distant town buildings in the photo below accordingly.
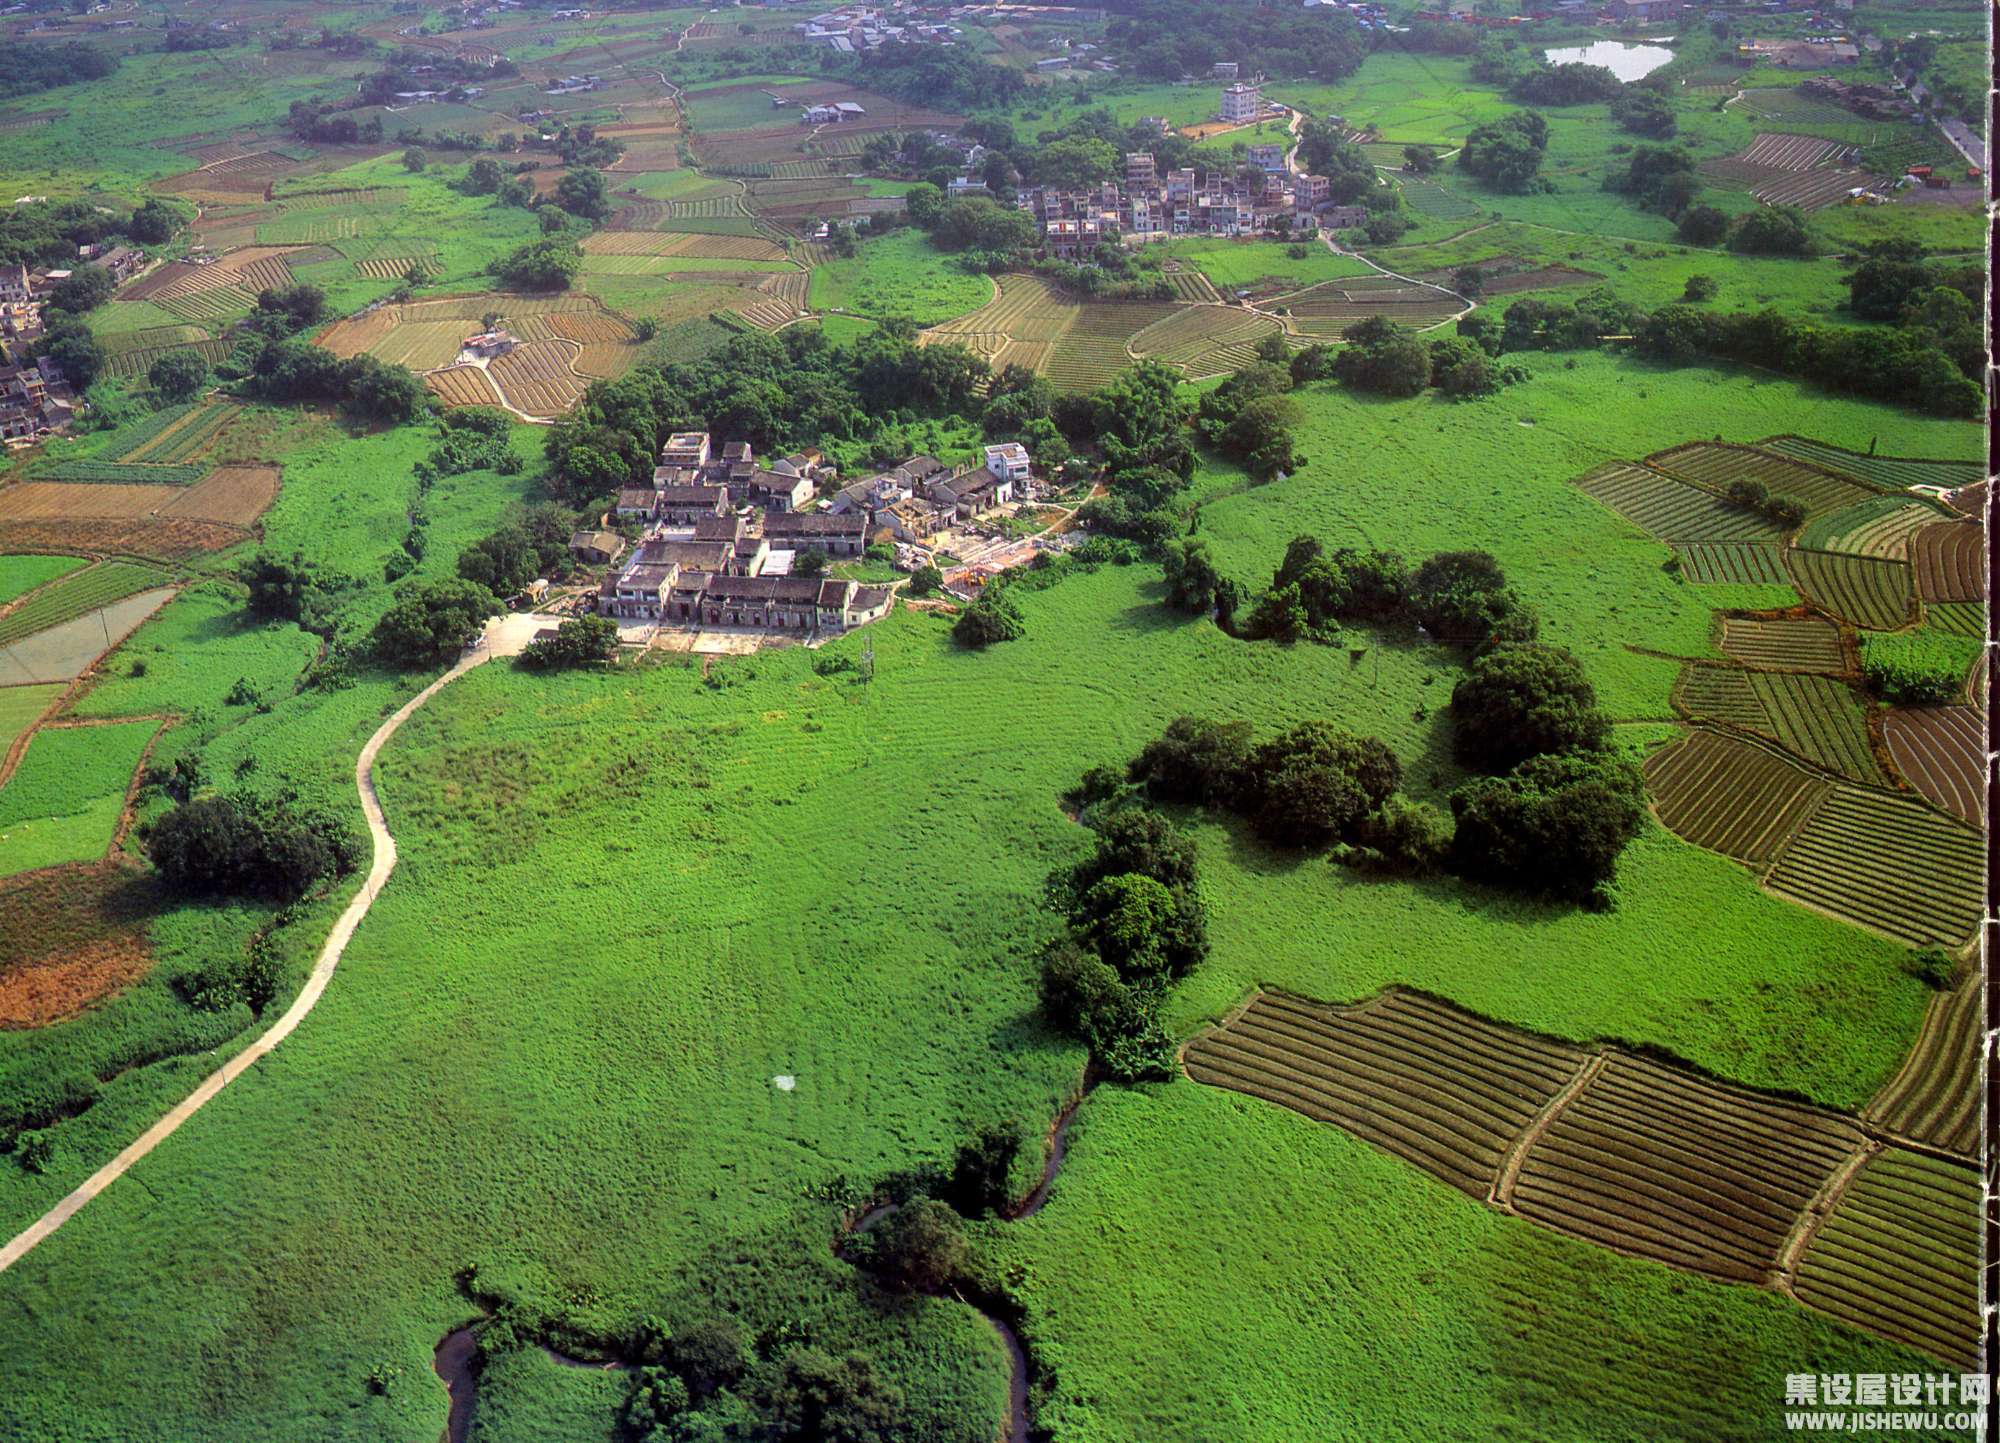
(1260, 199)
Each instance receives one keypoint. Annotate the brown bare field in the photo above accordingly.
(462, 386)
(1731, 795)
(137, 536)
(70, 937)
(1940, 750)
(232, 495)
(536, 378)
(1949, 561)
(1655, 1162)
(46, 500)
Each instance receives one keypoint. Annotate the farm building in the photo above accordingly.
(490, 343)
(596, 548)
(836, 535)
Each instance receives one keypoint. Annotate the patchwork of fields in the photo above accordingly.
(1632, 1154)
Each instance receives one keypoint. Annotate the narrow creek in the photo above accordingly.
(457, 1352)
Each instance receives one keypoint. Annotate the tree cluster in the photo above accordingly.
(1507, 153)
(1455, 596)
(1134, 922)
(1917, 668)
(1249, 417)
(1560, 806)
(293, 588)
(472, 438)
(365, 387)
(49, 232)
(1382, 356)
(250, 845)
(579, 641)
(1753, 495)
(550, 264)
(1167, 39)
(433, 621)
(30, 67)
(534, 543)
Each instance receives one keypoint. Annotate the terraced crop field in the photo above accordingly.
(191, 434)
(394, 267)
(1960, 618)
(1019, 326)
(75, 594)
(421, 345)
(1881, 526)
(1784, 644)
(1672, 510)
(536, 378)
(1721, 694)
(1940, 750)
(1889, 473)
(1714, 465)
(1327, 310)
(1899, 1256)
(1948, 561)
(1886, 861)
(1934, 1096)
(151, 338)
(1418, 1078)
(1659, 1164)
(133, 364)
(1730, 563)
(1092, 350)
(1731, 795)
(1205, 340)
(462, 386)
(1193, 286)
(1433, 202)
(1863, 590)
(1818, 718)
(118, 474)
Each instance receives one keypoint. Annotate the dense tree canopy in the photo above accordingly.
(248, 844)
(1520, 701)
(1507, 153)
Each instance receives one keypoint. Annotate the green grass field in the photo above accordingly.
(62, 803)
(899, 274)
(1232, 263)
(20, 575)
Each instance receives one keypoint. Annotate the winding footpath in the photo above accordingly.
(502, 638)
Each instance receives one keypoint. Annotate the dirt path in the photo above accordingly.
(501, 639)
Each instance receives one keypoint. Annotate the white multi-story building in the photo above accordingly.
(1242, 102)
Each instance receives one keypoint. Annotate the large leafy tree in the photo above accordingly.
(1520, 701)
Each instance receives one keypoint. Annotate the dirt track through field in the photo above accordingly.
(499, 641)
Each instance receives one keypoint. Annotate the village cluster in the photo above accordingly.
(35, 397)
(722, 534)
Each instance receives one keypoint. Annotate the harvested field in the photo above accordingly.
(1777, 151)
(1783, 645)
(787, 286)
(1884, 472)
(1940, 750)
(1730, 563)
(680, 243)
(765, 315)
(462, 386)
(1672, 510)
(1205, 340)
(1899, 1256)
(1019, 326)
(1730, 795)
(1714, 465)
(1934, 1097)
(1418, 1078)
(1948, 561)
(421, 345)
(79, 501)
(1092, 350)
(1863, 590)
(70, 937)
(1659, 1164)
(1889, 862)
(229, 495)
(536, 378)
(1881, 526)
(151, 337)
(131, 536)
(62, 652)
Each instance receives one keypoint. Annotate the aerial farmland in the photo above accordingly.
(1143, 724)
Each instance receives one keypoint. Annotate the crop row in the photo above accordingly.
(1781, 151)
(1865, 590)
(1899, 1256)
(1730, 795)
(1652, 1161)
(1960, 618)
(1672, 510)
(1818, 718)
(1190, 285)
(462, 386)
(1885, 472)
(218, 303)
(1433, 1085)
(133, 437)
(1934, 1098)
(1941, 751)
(1715, 465)
(1092, 350)
(179, 444)
(536, 378)
(1738, 563)
(1880, 526)
(134, 364)
(119, 473)
(1805, 644)
(74, 595)
(1432, 201)
(1887, 861)
(1026, 308)
(1810, 190)
(1948, 561)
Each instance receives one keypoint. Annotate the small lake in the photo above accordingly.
(1627, 62)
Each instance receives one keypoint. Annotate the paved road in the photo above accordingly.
(505, 636)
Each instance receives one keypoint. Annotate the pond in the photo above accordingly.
(1627, 62)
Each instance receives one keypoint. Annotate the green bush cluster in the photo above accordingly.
(1917, 668)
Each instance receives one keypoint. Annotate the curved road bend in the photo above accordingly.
(504, 637)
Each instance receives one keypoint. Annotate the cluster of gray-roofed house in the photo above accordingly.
(720, 531)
